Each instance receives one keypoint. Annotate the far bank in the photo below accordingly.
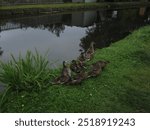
(65, 7)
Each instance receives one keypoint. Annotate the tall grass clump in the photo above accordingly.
(29, 73)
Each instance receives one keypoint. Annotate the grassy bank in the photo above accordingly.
(54, 8)
(47, 8)
(123, 86)
(72, 5)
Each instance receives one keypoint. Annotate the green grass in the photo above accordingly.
(29, 73)
(16, 10)
(123, 86)
(63, 6)
(73, 5)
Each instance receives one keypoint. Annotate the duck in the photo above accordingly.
(81, 56)
(81, 60)
(78, 78)
(66, 69)
(90, 52)
(95, 71)
(76, 66)
(97, 68)
(1, 51)
(65, 75)
(103, 63)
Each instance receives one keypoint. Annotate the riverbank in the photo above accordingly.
(57, 8)
(47, 8)
(123, 86)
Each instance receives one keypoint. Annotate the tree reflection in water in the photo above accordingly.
(56, 29)
(113, 25)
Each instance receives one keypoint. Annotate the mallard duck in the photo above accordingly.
(81, 60)
(66, 69)
(77, 65)
(65, 75)
(90, 52)
(97, 68)
(78, 78)
(95, 71)
(1, 51)
(74, 66)
(82, 64)
(103, 63)
(81, 57)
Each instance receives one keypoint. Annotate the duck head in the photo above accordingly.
(64, 63)
(92, 43)
(73, 61)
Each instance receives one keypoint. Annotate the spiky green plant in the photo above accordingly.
(29, 73)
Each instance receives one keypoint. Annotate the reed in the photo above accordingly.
(29, 73)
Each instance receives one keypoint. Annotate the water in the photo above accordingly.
(63, 35)
(60, 34)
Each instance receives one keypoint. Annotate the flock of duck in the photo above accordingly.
(76, 71)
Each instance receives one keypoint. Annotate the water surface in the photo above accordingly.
(65, 34)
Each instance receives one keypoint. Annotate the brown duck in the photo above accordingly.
(78, 78)
(74, 66)
(1, 51)
(65, 75)
(82, 57)
(90, 52)
(103, 63)
(77, 66)
(97, 68)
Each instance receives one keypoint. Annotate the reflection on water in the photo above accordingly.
(65, 34)
(113, 25)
